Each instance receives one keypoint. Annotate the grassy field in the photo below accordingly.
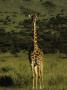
(17, 73)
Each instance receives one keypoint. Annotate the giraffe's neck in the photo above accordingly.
(35, 36)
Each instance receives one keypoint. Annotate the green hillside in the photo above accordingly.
(15, 23)
(42, 6)
(18, 10)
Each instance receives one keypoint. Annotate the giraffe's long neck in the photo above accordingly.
(35, 36)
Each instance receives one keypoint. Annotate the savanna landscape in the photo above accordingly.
(16, 42)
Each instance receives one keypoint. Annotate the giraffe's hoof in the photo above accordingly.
(43, 86)
(33, 88)
(40, 87)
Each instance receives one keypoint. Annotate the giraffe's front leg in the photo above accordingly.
(36, 76)
(36, 81)
(33, 80)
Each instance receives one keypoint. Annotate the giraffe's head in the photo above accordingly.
(34, 18)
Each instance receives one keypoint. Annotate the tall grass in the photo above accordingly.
(16, 72)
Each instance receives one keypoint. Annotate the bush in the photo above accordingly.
(6, 81)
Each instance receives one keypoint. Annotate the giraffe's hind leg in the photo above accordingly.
(40, 83)
(39, 78)
(42, 77)
(33, 80)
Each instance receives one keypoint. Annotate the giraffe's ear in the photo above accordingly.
(29, 15)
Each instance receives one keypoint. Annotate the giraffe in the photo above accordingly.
(36, 58)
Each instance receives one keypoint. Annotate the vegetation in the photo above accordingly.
(16, 42)
(15, 72)
(15, 25)
(52, 31)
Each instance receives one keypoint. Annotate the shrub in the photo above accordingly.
(6, 81)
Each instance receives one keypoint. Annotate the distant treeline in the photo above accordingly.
(52, 36)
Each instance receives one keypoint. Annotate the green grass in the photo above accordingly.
(19, 71)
